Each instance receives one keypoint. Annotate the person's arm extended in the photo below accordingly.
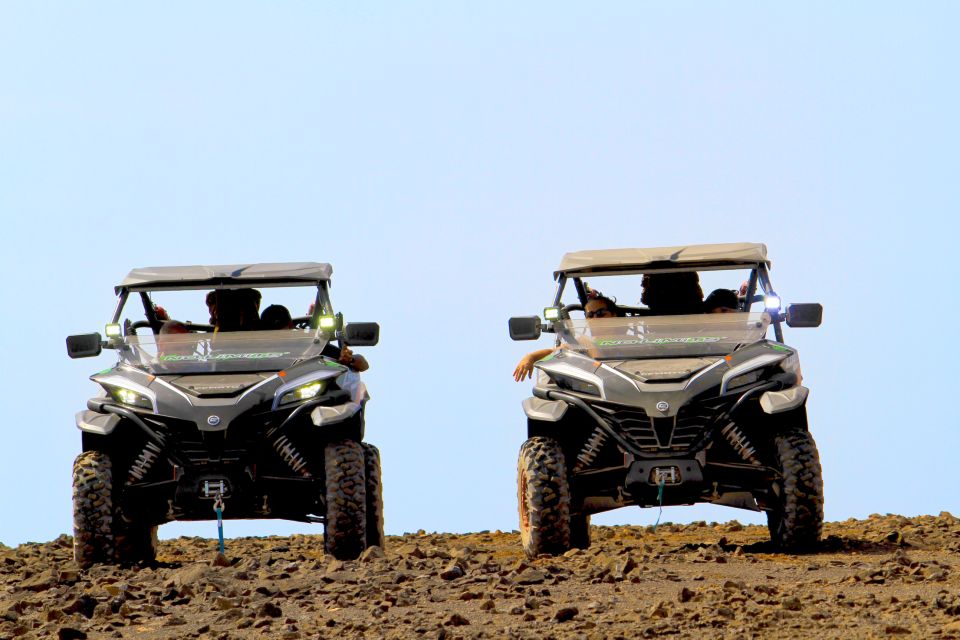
(355, 362)
(525, 366)
(359, 364)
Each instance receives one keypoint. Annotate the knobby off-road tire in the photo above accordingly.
(580, 531)
(100, 535)
(134, 543)
(345, 532)
(374, 488)
(543, 494)
(796, 520)
(93, 509)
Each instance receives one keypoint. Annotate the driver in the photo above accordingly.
(234, 309)
(668, 294)
(598, 306)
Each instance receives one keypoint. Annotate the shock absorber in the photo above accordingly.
(141, 466)
(740, 443)
(591, 449)
(289, 454)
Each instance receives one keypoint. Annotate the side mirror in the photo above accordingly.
(805, 314)
(85, 345)
(361, 334)
(524, 327)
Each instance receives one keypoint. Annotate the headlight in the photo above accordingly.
(572, 384)
(747, 378)
(129, 397)
(303, 392)
(791, 364)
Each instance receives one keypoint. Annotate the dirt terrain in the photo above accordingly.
(884, 576)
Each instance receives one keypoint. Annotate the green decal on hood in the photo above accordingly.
(622, 342)
(224, 356)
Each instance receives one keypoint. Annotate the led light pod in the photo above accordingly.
(552, 314)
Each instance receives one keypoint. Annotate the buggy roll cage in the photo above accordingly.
(759, 276)
(322, 303)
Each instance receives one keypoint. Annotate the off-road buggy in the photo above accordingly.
(647, 409)
(258, 423)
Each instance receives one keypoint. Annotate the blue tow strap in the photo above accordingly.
(660, 501)
(218, 507)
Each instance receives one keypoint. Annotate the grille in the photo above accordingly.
(676, 434)
(204, 447)
(634, 424)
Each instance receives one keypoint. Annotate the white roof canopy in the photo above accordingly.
(733, 254)
(213, 275)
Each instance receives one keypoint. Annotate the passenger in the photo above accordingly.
(347, 357)
(167, 345)
(212, 307)
(721, 301)
(667, 294)
(173, 327)
(277, 317)
(598, 306)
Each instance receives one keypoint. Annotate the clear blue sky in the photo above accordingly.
(443, 156)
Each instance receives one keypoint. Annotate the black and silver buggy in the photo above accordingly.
(666, 404)
(225, 412)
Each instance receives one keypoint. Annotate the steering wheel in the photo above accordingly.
(567, 308)
(191, 327)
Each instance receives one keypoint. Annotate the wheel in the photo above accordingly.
(100, 535)
(92, 509)
(796, 518)
(134, 543)
(344, 534)
(580, 531)
(374, 487)
(544, 497)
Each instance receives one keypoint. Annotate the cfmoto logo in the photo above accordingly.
(663, 406)
(213, 421)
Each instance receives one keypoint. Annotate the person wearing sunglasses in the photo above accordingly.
(598, 306)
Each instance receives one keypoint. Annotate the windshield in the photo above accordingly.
(228, 352)
(664, 336)
(666, 293)
(223, 310)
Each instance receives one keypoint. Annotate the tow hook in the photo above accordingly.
(214, 488)
(665, 475)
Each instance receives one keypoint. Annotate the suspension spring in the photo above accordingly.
(291, 456)
(740, 443)
(591, 449)
(141, 466)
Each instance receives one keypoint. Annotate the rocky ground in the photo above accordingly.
(884, 576)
